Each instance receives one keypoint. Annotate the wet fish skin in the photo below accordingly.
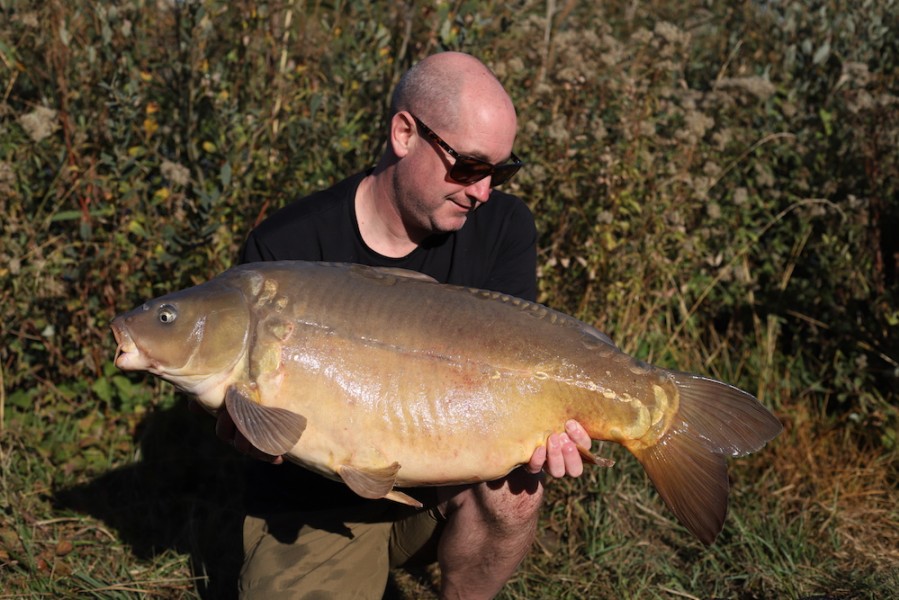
(381, 378)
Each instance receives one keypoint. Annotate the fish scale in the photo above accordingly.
(380, 378)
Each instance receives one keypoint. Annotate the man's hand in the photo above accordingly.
(560, 455)
(228, 433)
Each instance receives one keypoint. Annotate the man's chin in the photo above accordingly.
(452, 223)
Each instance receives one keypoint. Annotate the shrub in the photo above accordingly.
(714, 183)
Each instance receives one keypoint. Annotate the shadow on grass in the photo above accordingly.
(184, 494)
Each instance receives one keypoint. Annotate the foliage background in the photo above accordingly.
(715, 185)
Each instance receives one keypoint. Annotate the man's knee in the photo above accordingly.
(512, 503)
(514, 499)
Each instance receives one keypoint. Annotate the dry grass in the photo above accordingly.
(812, 515)
(849, 492)
(711, 189)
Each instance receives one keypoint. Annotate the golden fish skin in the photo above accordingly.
(380, 378)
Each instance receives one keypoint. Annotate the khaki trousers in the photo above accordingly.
(345, 553)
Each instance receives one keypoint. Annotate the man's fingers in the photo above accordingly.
(555, 462)
(538, 459)
(578, 434)
(242, 445)
(574, 464)
(563, 457)
(224, 427)
(195, 407)
(226, 431)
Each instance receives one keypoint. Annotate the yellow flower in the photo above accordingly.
(150, 126)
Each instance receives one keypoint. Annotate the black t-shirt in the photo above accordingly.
(494, 250)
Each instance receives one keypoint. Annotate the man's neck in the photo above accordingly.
(380, 224)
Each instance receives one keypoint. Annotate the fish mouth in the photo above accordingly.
(127, 354)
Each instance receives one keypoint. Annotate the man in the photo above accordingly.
(428, 205)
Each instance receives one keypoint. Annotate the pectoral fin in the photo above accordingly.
(273, 430)
(371, 483)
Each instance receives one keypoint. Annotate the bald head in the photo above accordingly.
(450, 116)
(441, 85)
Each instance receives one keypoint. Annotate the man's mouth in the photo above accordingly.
(466, 205)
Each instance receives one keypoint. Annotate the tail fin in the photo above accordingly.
(687, 465)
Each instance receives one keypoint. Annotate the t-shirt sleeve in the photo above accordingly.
(254, 250)
(301, 230)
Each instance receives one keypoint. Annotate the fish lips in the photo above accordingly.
(128, 356)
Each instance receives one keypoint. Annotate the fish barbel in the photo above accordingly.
(381, 377)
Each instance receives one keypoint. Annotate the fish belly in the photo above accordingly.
(443, 420)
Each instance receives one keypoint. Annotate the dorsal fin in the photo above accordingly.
(389, 274)
(397, 272)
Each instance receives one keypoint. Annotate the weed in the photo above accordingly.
(714, 185)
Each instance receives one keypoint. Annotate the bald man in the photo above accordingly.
(429, 205)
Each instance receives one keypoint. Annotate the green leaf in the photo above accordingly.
(102, 389)
(821, 53)
(225, 174)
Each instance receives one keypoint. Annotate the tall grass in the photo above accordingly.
(714, 185)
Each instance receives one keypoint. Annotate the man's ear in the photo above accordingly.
(402, 130)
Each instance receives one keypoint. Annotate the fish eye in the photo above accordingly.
(167, 314)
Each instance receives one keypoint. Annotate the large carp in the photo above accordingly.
(380, 377)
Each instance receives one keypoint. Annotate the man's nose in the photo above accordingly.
(479, 191)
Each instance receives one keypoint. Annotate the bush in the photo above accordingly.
(715, 184)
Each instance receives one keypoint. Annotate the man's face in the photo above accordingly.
(428, 198)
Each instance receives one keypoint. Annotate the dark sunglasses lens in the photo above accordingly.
(504, 173)
(467, 170)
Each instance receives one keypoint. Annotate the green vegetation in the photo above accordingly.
(715, 184)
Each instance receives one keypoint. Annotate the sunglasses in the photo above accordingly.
(467, 169)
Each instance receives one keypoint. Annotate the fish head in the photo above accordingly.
(194, 338)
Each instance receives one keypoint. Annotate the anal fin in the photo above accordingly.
(593, 459)
(398, 496)
(272, 430)
(371, 483)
